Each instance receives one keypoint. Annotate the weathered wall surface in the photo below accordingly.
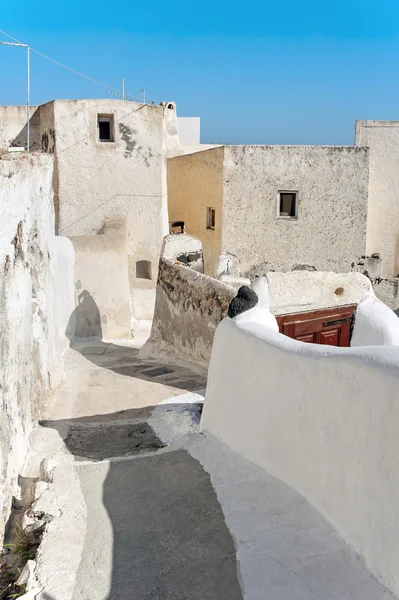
(300, 291)
(13, 129)
(101, 283)
(382, 137)
(332, 185)
(111, 181)
(195, 182)
(188, 308)
(324, 420)
(29, 349)
(387, 290)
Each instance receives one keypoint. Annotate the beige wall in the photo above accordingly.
(332, 186)
(195, 181)
(382, 137)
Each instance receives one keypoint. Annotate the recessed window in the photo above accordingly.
(105, 128)
(288, 205)
(143, 269)
(210, 218)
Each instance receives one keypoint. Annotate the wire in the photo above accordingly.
(95, 132)
(109, 200)
(65, 67)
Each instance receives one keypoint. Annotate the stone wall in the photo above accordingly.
(30, 357)
(188, 308)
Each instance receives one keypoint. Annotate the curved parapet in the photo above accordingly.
(322, 419)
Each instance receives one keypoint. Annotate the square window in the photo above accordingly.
(288, 205)
(105, 125)
(210, 218)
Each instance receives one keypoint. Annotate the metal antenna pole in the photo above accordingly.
(123, 88)
(28, 102)
(143, 92)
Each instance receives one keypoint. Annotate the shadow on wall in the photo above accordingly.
(85, 321)
(20, 141)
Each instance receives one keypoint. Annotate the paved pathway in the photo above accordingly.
(147, 508)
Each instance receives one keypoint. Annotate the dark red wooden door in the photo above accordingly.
(328, 326)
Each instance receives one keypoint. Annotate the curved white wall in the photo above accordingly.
(323, 419)
(375, 324)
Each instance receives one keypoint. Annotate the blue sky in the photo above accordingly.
(261, 72)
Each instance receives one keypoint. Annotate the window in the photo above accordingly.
(143, 269)
(288, 205)
(105, 128)
(210, 218)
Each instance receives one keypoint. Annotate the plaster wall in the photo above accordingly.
(65, 285)
(30, 356)
(195, 182)
(13, 129)
(375, 324)
(299, 291)
(101, 303)
(189, 130)
(125, 179)
(332, 186)
(188, 308)
(382, 138)
(324, 420)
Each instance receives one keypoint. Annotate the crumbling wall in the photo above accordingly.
(30, 358)
(188, 308)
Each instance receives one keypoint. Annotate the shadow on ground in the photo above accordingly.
(162, 535)
(126, 361)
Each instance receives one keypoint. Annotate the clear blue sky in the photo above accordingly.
(284, 72)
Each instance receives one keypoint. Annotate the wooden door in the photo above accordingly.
(331, 326)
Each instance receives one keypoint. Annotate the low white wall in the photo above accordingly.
(324, 420)
(375, 324)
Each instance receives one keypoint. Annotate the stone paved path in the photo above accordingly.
(147, 508)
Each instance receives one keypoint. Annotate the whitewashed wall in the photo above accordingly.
(324, 420)
(30, 358)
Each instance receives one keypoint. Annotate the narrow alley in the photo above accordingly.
(144, 506)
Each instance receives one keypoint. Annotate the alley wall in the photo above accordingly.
(30, 357)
